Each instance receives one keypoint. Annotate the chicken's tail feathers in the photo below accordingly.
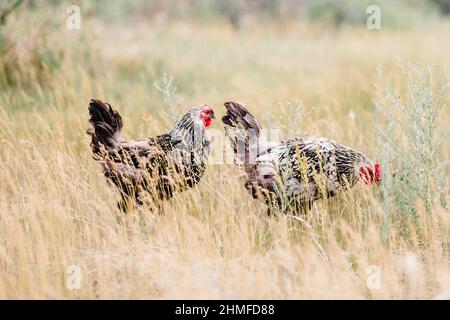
(244, 132)
(239, 117)
(106, 125)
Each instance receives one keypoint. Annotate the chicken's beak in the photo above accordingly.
(213, 116)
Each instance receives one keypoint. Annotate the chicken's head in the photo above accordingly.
(206, 114)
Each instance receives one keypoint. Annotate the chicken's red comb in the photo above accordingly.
(378, 174)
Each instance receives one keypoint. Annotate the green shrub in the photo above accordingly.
(412, 136)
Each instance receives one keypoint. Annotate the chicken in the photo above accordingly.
(157, 166)
(292, 174)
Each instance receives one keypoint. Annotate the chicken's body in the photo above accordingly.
(157, 166)
(296, 172)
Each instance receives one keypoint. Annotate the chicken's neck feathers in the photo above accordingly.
(189, 136)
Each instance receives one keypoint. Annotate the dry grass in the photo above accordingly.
(214, 241)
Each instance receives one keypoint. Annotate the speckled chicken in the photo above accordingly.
(157, 166)
(292, 174)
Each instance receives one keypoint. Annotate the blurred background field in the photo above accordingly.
(304, 67)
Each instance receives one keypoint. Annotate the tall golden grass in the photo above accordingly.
(214, 241)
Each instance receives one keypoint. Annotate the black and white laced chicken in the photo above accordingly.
(292, 174)
(157, 166)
